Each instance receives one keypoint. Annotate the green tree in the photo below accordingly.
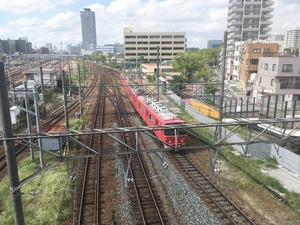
(293, 51)
(197, 63)
(177, 84)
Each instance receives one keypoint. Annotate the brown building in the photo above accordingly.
(251, 52)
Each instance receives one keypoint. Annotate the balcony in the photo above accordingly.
(268, 9)
(289, 86)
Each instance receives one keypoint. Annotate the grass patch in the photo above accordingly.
(252, 168)
(249, 170)
(44, 197)
(115, 216)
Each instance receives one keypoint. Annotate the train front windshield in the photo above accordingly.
(171, 132)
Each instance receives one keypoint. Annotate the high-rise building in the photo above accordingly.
(277, 37)
(145, 44)
(248, 20)
(214, 43)
(88, 29)
(293, 38)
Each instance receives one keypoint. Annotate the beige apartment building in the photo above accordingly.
(144, 45)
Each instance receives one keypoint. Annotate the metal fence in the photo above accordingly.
(285, 157)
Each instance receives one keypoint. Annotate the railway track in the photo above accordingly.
(57, 117)
(222, 205)
(146, 205)
(19, 147)
(92, 189)
(87, 187)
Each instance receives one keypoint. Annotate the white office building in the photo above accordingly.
(145, 44)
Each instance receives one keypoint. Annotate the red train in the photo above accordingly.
(156, 114)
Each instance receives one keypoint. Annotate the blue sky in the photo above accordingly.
(55, 21)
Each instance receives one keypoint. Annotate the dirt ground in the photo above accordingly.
(262, 206)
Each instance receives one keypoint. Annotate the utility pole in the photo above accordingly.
(28, 117)
(65, 99)
(38, 125)
(218, 130)
(79, 87)
(157, 74)
(70, 79)
(9, 146)
(43, 92)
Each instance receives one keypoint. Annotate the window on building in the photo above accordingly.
(266, 66)
(274, 67)
(256, 50)
(130, 48)
(168, 70)
(297, 83)
(153, 48)
(142, 48)
(130, 54)
(166, 48)
(142, 42)
(166, 36)
(142, 36)
(154, 43)
(178, 36)
(260, 79)
(283, 83)
(254, 61)
(287, 67)
(178, 42)
(178, 48)
(130, 42)
(166, 42)
(166, 53)
(272, 82)
(267, 50)
(154, 36)
(130, 36)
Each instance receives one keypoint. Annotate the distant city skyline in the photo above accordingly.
(58, 21)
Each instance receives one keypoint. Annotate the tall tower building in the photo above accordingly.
(293, 38)
(88, 29)
(248, 20)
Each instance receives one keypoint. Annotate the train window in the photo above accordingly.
(143, 109)
(181, 131)
(171, 132)
(151, 118)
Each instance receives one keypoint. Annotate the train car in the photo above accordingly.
(156, 114)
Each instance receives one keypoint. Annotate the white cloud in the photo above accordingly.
(200, 19)
(29, 6)
(63, 27)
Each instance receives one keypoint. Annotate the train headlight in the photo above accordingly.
(169, 141)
